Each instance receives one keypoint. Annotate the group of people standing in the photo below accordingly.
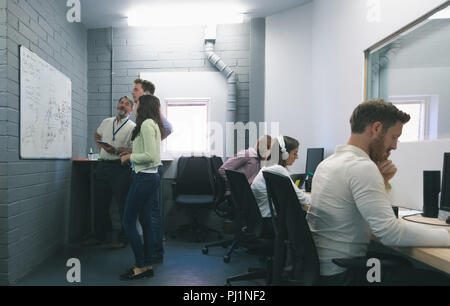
(129, 171)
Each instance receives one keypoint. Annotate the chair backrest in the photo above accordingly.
(194, 176)
(219, 183)
(216, 163)
(297, 260)
(247, 209)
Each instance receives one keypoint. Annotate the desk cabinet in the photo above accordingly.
(81, 202)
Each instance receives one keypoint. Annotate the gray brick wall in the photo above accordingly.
(3, 146)
(141, 50)
(36, 200)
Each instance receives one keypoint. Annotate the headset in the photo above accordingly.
(284, 152)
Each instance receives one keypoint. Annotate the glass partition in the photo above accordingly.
(411, 68)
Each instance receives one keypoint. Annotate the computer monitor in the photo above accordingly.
(445, 191)
(444, 211)
(313, 158)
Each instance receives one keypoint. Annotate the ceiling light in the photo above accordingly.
(183, 15)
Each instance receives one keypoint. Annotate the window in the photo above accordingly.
(415, 130)
(189, 118)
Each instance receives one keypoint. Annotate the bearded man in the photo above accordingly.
(350, 202)
(112, 179)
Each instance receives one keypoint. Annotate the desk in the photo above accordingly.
(438, 258)
(82, 198)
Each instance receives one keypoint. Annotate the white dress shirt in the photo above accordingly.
(349, 202)
(260, 190)
(121, 140)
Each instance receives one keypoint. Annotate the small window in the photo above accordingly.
(415, 129)
(189, 118)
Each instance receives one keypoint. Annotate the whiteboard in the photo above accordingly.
(45, 109)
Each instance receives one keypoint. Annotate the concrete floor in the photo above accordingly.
(184, 265)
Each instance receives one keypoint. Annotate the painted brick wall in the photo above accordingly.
(3, 146)
(38, 192)
(149, 50)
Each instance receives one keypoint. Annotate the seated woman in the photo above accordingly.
(284, 153)
(247, 161)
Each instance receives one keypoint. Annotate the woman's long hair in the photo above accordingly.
(149, 108)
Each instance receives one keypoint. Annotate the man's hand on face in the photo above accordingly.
(387, 170)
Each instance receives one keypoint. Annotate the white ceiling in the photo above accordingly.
(107, 13)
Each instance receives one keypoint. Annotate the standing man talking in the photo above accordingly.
(144, 87)
(112, 180)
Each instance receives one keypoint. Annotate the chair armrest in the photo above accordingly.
(361, 262)
(355, 262)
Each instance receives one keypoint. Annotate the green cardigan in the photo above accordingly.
(146, 146)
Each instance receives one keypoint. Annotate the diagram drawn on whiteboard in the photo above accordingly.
(45, 109)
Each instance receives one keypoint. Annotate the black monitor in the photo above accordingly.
(313, 158)
(445, 191)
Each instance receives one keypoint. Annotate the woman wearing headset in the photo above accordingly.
(284, 153)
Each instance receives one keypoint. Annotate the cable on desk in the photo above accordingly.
(419, 214)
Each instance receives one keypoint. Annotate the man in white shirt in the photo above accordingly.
(112, 180)
(349, 199)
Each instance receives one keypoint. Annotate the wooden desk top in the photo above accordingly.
(438, 258)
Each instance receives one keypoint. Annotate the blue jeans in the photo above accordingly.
(141, 200)
(158, 248)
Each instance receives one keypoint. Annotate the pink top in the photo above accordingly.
(246, 161)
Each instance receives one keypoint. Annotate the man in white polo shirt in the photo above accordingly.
(112, 179)
(349, 201)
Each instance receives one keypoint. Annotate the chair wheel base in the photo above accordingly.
(226, 259)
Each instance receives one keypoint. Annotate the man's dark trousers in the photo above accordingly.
(112, 180)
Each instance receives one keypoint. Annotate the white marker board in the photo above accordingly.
(45, 109)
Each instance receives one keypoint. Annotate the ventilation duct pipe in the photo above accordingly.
(229, 74)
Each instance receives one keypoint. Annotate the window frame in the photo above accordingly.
(189, 102)
(424, 102)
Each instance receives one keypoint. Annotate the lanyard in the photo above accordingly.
(115, 132)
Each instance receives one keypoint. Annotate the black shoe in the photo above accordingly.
(157, 260)
(116, 245)
(92, 242)
(129, 275)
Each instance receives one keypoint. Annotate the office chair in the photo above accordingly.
(249, 227)
(296, 260)
(295, 256)
(194, 190)
(221, 207)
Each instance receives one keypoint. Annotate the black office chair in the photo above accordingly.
(194, 190)
(295, 256)
(249, 227)
(222, 206)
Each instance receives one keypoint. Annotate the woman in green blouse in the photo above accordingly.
(143, 194)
